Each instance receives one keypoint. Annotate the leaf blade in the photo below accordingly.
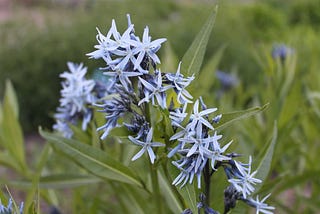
(169, 196)
(93, 160)
(229, 118)
(264, 166)
(192, 60)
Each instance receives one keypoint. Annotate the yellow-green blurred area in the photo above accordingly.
(38, 37)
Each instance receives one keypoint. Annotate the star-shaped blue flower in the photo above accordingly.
(146, 146)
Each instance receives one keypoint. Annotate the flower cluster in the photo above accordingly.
(138, 88)
(8, 209)
(77, 94)
(196, 146)
(131, 65)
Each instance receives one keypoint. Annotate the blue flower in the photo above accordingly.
(123, 77)
(217, 118)
(199, 144)
(281, 51)
(63, 127)
(260, 205)
(196, 146)
(76, 89)
(197, 117)
(146, 146)
(115, 108)
(226, 80)
(8, 209)
(189, 167)
(180, 83)
(76, 95)
(216, 152)
(126, 52)
(108, 47)
(245, 181)
(146, 49)
(178, 116)
(154, 90)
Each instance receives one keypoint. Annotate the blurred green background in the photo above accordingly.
(38, 38)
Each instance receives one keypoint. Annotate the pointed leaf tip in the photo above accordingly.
(192, 60)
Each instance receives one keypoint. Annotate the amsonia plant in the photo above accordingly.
(158, 122)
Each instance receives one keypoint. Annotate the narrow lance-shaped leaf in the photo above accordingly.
(169, 61)
(207, 75)
(10, 97)
(210, 68)
(229, 118)
(192, 60)
(189, 194)
(265, 162)
(130, 200)
(59, 181)
(9, 161)
(11, 135)
(168, 194)
(93, 160)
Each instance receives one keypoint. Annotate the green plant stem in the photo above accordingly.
(155, 188)
(207, 177)
(167, 174)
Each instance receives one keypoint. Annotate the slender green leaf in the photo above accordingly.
(79, 134)
(11, 133)
(59, 181)
(230, 118)
(209, 69)
(192, 60)
(169, 61)
(3, 198)
(35, 177)
(32, 208)
(169, 196)
(66, 181)
(93, 160)
(265, 162)
(9, 161)
(10, 97)
(130, 199)
(43, 158)
(189, 194)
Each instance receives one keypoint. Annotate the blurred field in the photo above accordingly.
(43, 35)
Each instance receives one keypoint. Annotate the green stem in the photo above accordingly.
(174, 188)
(207, 177)
(155, 188)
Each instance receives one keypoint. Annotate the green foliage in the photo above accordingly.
(11, 138)
(305, 12)
(93, 160)
(192, 60)
(242, 40)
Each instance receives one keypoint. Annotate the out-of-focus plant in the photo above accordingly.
(286, 86)
(153, 110)
(12, 150)
(11, 207)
